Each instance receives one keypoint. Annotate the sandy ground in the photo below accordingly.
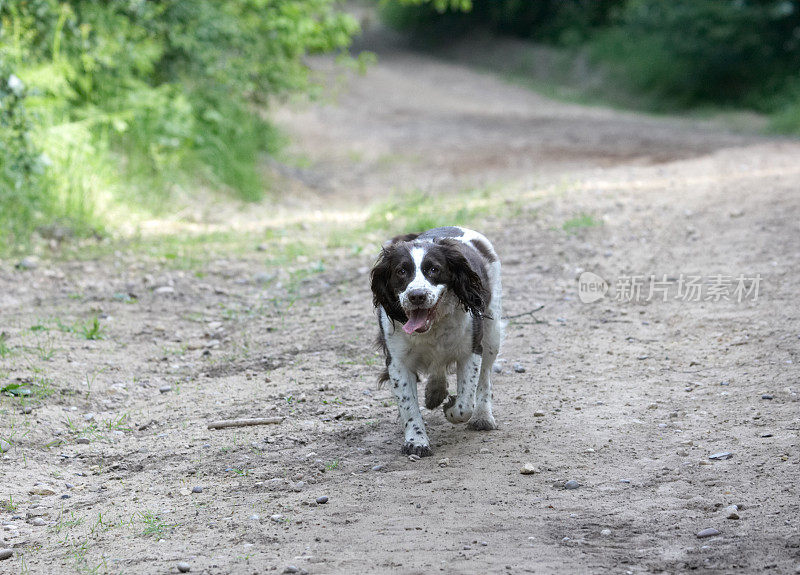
(628, 398)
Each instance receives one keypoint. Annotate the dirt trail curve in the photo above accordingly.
(628, 399)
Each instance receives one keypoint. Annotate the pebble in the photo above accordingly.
(444, 462)
(766, 396)
(721, 456)
(6, 553)
(291, 569)
(165, 388)
(38, 522)
(732, 512)
(496, 368)
(528, 469)
(83, 441)
(184, 567)
(414, 457)
(708, 532)
(322, 499)
(27, 263)
(377, 468)
(484, 450)
(538, 413)
(519, 368)
(27, 409)
(197, 489)
(277, 518)
(42, 490)
(254, 517)
(571, 484)
(606, 532)
(163, 290)
(4, 446)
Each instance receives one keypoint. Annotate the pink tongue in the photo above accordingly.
(416, 319)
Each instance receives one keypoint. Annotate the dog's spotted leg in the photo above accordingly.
(404, 387)
(482, 418)
(459, 408)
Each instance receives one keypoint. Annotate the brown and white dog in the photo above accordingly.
(438, 297)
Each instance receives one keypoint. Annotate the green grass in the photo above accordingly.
(93, 330)
(154, 525)
(5, 350)
(580, 222)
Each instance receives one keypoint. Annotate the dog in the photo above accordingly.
(438, 299)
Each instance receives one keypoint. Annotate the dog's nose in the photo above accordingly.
(417, 297)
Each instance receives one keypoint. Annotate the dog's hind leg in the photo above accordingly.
(482, 418)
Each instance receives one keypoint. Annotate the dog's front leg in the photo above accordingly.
(404, 387)
(458, 408)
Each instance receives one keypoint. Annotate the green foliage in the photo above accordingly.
(560, 21)
(689, 51)
(170, 91)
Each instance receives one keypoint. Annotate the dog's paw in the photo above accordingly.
(435, 395)
(411, 448)
(482, 424)
(455, 411)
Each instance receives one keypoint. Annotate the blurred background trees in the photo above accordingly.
(125, 104)
(674, 54)
(134, 97)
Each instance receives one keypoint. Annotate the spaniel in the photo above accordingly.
(438, 298)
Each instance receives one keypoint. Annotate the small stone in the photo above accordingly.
(571, 484)
(484, 450)
(377, 468)
(414, 457)
(184, 567)
(538, 413)
(528, 469)
(497, 368)
(4, 446)
(27, 409)
(42, 490)
(732, 512)
(165, 388)
(38, 522)
(766, 396)
(291, 569)
(322, 499)
(708, 532)
(652, 406)
(277, 518)
(164, 290)
(254, 517)
(605, 532)
(83, 441)
(27, 263)
(519, 368)
(6, 553)
(721, 456)
(197, 489)
(444, 462)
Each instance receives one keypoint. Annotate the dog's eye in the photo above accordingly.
(401, 271)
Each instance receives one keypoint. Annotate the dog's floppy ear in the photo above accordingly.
(381, 286)
(465, 282)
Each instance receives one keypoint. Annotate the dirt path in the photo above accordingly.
(628, 399)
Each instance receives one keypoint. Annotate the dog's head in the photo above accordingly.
(411, 278)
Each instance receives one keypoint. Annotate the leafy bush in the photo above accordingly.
(166, 90)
